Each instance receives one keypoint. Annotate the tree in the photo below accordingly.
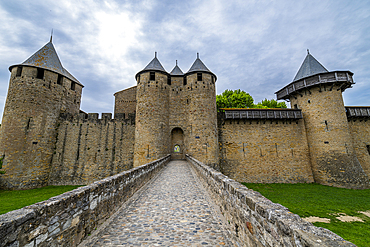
(241, 99)
(234, 99)
(271, 104)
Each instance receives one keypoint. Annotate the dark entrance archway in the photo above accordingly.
(177, 144)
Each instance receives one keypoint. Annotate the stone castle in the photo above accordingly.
(47, 140)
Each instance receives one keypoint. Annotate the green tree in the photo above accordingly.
(234, 99)
(241, 99)
(270, 104)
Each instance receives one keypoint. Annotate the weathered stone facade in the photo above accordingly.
(265, 150)
(46, 139)
(125, 102)
(89, 149)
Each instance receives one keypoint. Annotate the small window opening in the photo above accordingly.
(368, 148)
(213, 79)
(295, 106)
(73, 85)
(168, 80)
(185, 81)
(40, 73)
(19, 71)
(60, 80)
(199, 77)
(309, 101)
(152, 76)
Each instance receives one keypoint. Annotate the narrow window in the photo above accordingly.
(213, 79)
(19, 71)
(199, 77)
(169, 80)
(73, 85)
(152, 76)
(60, 80)
(368, 148)
(40, 73)
(295, 106)
(185, 81)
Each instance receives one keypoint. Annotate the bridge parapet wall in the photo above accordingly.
(65, 220)
(253, 220)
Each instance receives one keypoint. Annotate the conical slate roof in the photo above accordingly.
(198, 65)
(47, 58)
(310, 66)
(155, 65)
(176, 70)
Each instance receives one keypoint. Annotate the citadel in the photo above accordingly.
(46, 139)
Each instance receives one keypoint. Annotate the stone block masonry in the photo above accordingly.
(264, 150)
(254, 220)
(88, 149)
(66, 219)
(360, 132)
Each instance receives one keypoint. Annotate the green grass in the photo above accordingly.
(325, 202)
(16, 199)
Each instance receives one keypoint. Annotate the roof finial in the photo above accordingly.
(176, 62)
(198, 55)
(51, 36)
(155, 54)
(308, 51)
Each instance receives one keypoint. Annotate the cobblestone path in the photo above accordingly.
(172, 210)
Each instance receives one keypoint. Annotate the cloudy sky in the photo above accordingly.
(257, 46)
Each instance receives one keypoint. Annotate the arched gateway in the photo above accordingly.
(177, 144)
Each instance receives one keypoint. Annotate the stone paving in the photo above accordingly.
(171, 210)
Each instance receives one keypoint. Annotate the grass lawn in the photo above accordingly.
(16, 199)
(324, 202)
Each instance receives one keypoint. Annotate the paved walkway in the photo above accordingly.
(172, 210)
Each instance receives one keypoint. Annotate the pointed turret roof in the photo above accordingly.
(309, 67)
(47, 58)
(155, 65)
(176, 70)
(198, 65)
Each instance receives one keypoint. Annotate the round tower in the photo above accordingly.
(39, 90)
(202, 142)
(152, 134)
(318, 93)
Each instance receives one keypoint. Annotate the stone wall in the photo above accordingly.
(360, 132)
(264, 151)
(254, 220)
(202, 142)
(125, 101)
(89, 149)
(65, 220)
(152, 134)
(29, 124)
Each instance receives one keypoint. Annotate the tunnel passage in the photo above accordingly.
(177, 144)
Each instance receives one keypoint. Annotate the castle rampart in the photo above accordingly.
(359, 127)
(89, 149)
(264, 146)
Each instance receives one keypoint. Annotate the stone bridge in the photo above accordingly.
(162, 203)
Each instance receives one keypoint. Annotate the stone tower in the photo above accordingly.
(318, 93)
(202, 119)
(152, 115)
(175, 113)
(40, 89)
